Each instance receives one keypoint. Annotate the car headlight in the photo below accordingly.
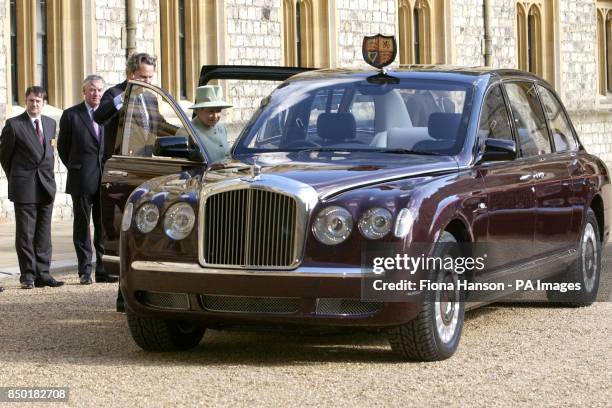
(126, 221)
(332, 225)
(179, 221)
(403, 223)
(147, 217)
(375, 223)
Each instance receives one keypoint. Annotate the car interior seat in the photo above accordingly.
(337, 128)
(443, 129)
(391, 112)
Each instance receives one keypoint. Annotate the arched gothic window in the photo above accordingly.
(536, 38)
(418, 20)
(306, 33)
(604, 47)
(46, 40)
(188, 31)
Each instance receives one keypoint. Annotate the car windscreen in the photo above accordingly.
(354, 114)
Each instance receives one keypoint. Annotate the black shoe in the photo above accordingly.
(85, 279)
(27, 285)
(51, 282)
(106, 278)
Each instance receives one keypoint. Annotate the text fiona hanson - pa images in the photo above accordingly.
(426, 284)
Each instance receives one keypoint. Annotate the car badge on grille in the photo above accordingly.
(255, 173)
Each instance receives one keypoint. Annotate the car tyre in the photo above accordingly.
(163, 335)
(434, 334)
(585, 270)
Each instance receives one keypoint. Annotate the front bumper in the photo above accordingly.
(216, 297)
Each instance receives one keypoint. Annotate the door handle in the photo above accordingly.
(117, 173)
(525, 177)
(539, 175)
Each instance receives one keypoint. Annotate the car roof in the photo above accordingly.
(439, 72)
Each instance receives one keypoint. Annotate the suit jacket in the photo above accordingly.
(80, 150)
(107, 115)
(28, 164)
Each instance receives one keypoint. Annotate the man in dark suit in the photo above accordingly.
(140, 67)
(81, 147)
(27, 159)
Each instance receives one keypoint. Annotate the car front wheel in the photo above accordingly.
(163, 335)
(434, 334)
(584, 271)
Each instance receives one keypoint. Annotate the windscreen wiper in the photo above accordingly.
(410, 151)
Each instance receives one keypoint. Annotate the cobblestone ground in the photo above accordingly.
(517, 354)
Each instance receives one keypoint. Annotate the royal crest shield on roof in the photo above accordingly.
(379, 50)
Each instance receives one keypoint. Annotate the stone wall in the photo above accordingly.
(578, 44)
(468, 31)
(595, 132)
(110, 54)
(253, 38)
(358, 18)
(503, 36)
(147, 27)
(110, 17)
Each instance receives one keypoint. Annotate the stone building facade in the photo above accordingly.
(257, 32)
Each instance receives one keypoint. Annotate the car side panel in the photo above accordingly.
(553, 221)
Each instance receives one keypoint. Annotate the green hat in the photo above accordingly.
(209, 96)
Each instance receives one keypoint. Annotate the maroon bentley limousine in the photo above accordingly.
(334, 166)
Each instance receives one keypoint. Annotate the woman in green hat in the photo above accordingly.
(213, 135)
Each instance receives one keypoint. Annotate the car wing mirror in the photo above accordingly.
(498, 150)
(176, 146)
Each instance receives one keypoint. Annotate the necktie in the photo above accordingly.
(39, 132)
(95, 125)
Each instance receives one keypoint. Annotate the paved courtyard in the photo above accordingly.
(516, 354)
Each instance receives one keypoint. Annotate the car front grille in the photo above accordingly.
(249, 228)
(250, 304)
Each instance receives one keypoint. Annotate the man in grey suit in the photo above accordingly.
(80, 145)
(27, 159)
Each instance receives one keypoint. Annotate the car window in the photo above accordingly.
(529, 119)
(357, 114)
(245, 96)
(148, 117)
(494, 119)
(563, 137)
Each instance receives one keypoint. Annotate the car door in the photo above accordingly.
(129, 167)
(566, 146)
(552, 180)
(509, 189)
(138, 160)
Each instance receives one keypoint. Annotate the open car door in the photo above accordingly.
(155, 138)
